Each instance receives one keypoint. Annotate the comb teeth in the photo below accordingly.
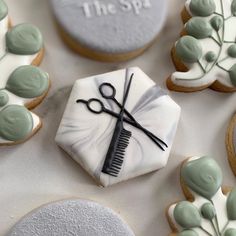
(116, 164)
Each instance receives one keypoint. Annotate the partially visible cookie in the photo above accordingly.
(109, 30)
(209, 210)
(22, 85)
(71, 218)
(231, 143)
(205, 55)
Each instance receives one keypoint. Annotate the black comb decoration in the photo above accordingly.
(121, 137)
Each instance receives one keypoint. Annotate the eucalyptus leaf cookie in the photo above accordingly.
(118, 125)
(71, 217)
(22, 85)
(231, 143)
(205, 55)
(109, 30)
(210, 209)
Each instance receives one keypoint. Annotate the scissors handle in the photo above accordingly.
(109, 86)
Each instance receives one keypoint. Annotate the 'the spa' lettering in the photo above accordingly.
(96, 8)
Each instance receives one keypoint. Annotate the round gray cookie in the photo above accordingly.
(71, 218)
(111, 26)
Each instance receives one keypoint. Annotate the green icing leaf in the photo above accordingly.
(217, 23)
(187, 215)
(188, 233)
(16, 123)
(28, 82)
(202, 7)
(233, 7)
(231, 205)
(208, 211)
(24, 39)
(4, 98)
(230, 232)
(188, 49)
(199, 28)
(203, 176)
(3, 9)
(232, 51)
(210, 56)
(232, 74)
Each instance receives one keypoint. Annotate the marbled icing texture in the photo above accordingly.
(71, 218)
(131, 25)
(86, 136)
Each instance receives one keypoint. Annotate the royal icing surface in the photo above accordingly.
(209, 50)
(211, 213)
(111, 26)
(20, 83)
(72, 217)
(89, 138)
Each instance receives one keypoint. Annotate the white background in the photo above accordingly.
(38, 172)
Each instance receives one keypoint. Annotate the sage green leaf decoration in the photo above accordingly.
(188, 233)
(4, 98)
(16, 123)
(233, 7)
(28, 82)
(217, 23)
(188, 49)
(210, 56)
(3, 9)
(232, 51)
(208, 211)
(24, 39)
(231, 205)
(199, 28)
(202, 7)
(230, 232)
(232, 74)
(187, 215)
(205, 182)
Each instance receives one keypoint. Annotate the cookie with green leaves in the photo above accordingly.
(22, 84)
(209, 210)
(205, 55)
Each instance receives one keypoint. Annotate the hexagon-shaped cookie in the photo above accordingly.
(115, 138)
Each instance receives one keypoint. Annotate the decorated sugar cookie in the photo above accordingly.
(231, 143)
(71, 217)
(118, 125)
(209, 209)
(205, 55)
(109, 30)
(22, 84)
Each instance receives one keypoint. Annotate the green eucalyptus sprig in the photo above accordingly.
(207, 23)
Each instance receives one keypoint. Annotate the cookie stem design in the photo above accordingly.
(207, 65)
(211, 212)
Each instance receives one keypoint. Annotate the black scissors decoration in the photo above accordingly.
(120, 139)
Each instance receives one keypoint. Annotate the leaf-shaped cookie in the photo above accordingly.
(22, 85)
(205, 55)
(209, 210)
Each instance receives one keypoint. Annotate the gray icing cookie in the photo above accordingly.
(111, 26)
(71, 217)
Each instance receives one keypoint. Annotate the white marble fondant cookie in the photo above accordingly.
(110, 30)
(205, 55)
(71, 218)
(231, 143)
(210, 209)
(118, 125)
(22, 85)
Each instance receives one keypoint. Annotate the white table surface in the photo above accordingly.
(38, 172)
